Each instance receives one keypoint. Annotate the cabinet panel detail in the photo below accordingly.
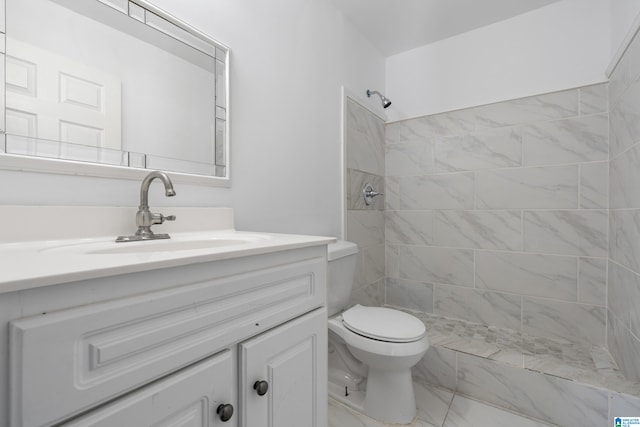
(66, 362)
(186, 398)
(292, 358)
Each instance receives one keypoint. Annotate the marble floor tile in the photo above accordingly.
(341, 416)
(437, 410)
(466, 412)
(433, 402)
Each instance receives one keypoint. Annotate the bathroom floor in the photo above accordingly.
(438, 408)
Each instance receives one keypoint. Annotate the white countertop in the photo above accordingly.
(25, 265)
(41, 246)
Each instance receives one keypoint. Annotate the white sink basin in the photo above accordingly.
(180, 243)
(167, 246)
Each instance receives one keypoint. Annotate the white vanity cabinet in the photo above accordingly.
(187, 398)
(168, 347)
(291, 359)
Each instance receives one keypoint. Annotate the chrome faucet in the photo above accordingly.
(144, 217)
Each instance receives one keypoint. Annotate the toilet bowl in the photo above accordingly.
(381, 344)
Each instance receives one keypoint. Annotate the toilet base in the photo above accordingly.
(390, 397)
(352, 398)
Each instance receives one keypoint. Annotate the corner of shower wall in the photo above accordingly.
(623, 320)
(364, 138)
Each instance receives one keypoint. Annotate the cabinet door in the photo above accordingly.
(187, 398)
(292, 358)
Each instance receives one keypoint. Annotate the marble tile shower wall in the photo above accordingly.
(365, 224)
(498, 214)
(624, 218)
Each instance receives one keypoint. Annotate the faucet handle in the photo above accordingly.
(157, 218)
(167, 218)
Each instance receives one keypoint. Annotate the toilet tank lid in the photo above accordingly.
(341, 249)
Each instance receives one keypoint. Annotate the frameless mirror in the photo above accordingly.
(114, 82)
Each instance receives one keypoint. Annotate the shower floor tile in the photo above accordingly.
(586, 364)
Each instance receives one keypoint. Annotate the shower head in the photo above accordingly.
(384, 99)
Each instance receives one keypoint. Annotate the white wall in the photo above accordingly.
(289, 60)
(560, 46)
(623, 14)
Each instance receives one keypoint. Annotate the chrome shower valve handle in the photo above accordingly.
(369, 193)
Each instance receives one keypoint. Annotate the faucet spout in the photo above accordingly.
(146, 183)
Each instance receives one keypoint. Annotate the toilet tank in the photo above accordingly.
(341, 273)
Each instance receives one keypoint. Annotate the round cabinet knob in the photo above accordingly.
(225, 411)
(261, 387)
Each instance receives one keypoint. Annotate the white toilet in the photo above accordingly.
(378, 344)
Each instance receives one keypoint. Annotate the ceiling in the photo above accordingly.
(395, 26)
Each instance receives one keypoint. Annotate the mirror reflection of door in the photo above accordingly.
(55, 98)
(88, 82)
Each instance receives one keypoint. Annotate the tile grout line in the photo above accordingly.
(453, 396)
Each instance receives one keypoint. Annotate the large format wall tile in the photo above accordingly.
(625, 176)
(478, 229)
(567, 321)
(581, 139)
(485, 307)
(566, 232)
(528, 274)
(392, 192)
(625, 120)
(436, 265)
(619, 80)
(365, 145)
(409, 227)
(447, 191)
(370, 295)
(592, 281)
(392, 262)
(528, 188)
(624, 347)
(624, 296)
(373, 263)
(409, 294)
(545, 397)
(451, 123)
(594, 99)
(626, 72)
(625, 238)
(524, 110)
(359, 281)
(365, 228)
(594, 185)
(409, 158)
(496, 148)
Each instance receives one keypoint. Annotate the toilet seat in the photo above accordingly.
(383, 324)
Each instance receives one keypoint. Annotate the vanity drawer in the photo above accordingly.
(188, 397)
(69, 361)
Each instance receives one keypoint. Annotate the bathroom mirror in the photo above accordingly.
(114, 85)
